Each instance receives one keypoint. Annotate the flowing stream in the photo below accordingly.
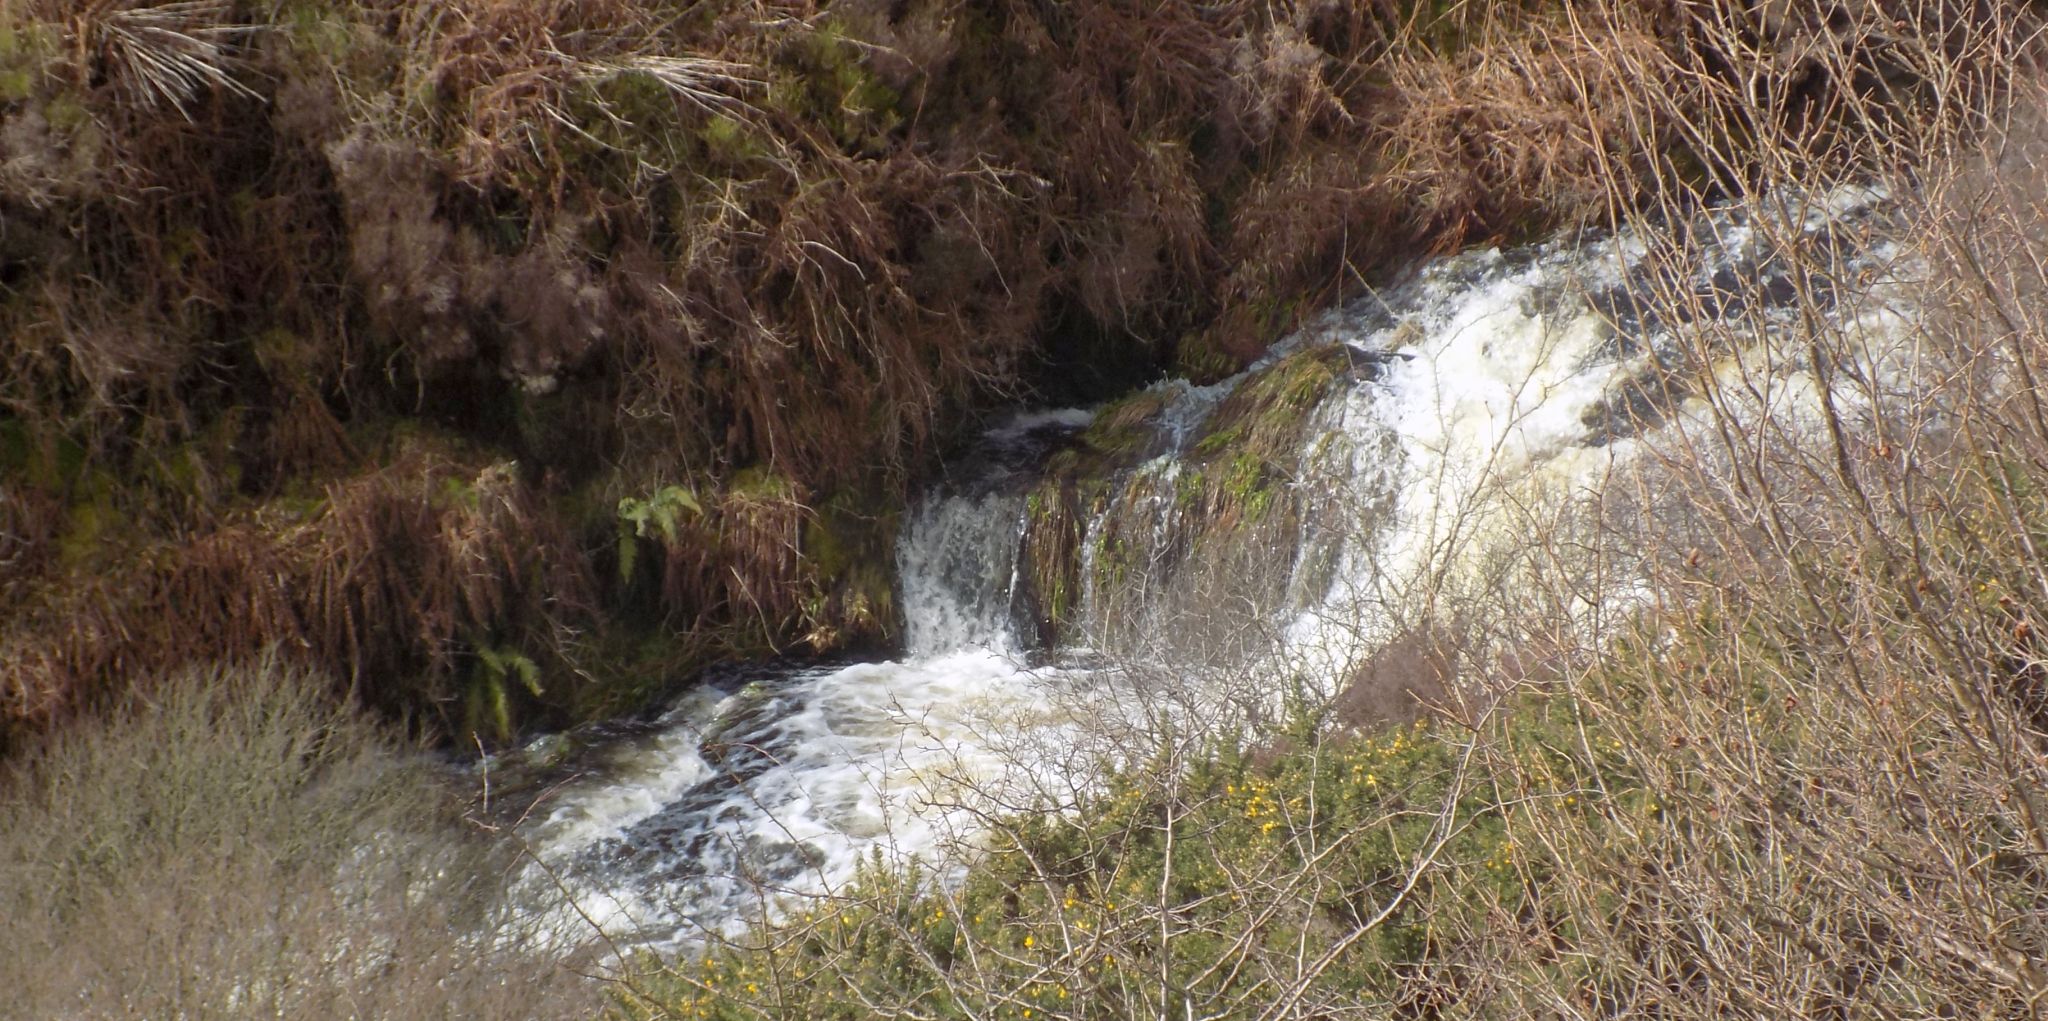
(1447, 406)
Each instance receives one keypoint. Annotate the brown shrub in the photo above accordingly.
(1805, 779)
(394, 580)
(1537, 119)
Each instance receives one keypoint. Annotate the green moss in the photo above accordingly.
(831, 86)
(66, 113)
(1242, 460)
(1249, 484)
(1218, 440)
(632, 664)
(1198, 358)
(1125, 427)
(849, 557)
(1051, 549)
(16, 84)
(197, 472)
(732, 143)
(763, 483)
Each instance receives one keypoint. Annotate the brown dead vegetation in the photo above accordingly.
(393, 578)
(765, 249)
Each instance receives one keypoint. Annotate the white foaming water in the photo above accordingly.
(956, 568)
(1492, 373)
(787, 787)
(792, 783)
(1488, 398)
(1507, 372)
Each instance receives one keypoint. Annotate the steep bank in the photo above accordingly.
(513, 360)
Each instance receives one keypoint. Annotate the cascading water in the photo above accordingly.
(1295, 510)
(789, 782)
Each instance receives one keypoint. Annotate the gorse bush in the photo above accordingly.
(1248, 878)
(1320, 872)
(234, 844)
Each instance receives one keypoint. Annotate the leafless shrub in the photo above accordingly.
(235, 846)
(1804, 782)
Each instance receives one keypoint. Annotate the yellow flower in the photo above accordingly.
(1028, 941)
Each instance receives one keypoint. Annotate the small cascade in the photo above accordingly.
(1400, 451)
(790, 781)
(951, 567)
(1284, 521)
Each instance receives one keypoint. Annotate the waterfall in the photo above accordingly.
(792, 781)
(956, 566)
(1288, 515)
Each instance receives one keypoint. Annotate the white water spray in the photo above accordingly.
(1490, 375)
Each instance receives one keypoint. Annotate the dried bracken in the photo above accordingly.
(633, 245)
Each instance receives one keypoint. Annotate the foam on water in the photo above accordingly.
(789, 784)
(1490, 395)
(1492, 372)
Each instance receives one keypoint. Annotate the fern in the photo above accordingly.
(489, 695)
(641, 519)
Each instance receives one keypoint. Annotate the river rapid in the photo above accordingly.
(1471, 402)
